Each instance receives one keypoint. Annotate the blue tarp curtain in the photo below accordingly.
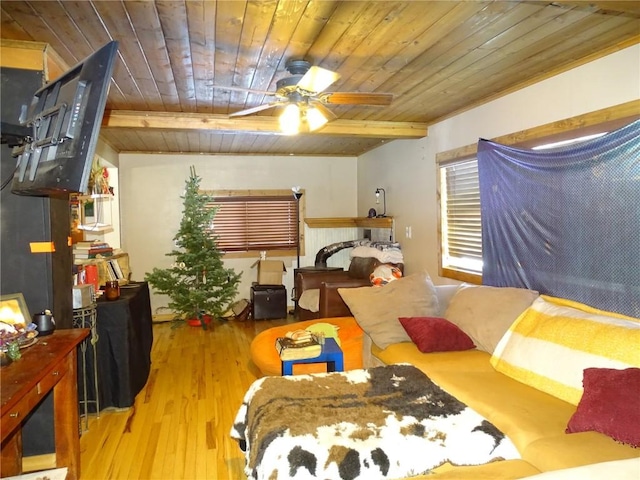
(565, 221)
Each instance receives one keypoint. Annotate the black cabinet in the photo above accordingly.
(268, 301)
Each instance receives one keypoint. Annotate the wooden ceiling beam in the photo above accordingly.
(32, 56)
(257, 124)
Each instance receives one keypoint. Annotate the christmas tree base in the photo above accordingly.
(195, 322)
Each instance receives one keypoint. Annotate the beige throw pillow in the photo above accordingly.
(377, 309)
(486, 313)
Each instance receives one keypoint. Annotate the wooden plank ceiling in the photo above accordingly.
(437, 58)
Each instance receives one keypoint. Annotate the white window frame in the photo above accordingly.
(460, 217)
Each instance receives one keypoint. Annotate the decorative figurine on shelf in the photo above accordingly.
(99, 179)
(197, 283)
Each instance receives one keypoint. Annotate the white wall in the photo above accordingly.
(151, 207)
(107, 153)
(407, 169)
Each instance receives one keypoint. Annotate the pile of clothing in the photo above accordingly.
(384, 252)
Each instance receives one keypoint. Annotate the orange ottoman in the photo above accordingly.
(265, 357)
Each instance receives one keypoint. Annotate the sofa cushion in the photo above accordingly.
(377, 309)
(610, 404)
(485, 313)
(436, 363)
(433, 334)
(550, 345)
(627, 469)
(554, 452)
(503, 469)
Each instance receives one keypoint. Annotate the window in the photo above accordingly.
(247, 222)
(461, 227)
(459, 193)
(570, 141)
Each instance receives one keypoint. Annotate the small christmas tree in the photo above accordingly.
(197, 283)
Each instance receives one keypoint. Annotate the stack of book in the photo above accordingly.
(298, 345)
(114, 271)
(88, 250)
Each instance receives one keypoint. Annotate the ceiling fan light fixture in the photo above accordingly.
(315, 119)
(290, 119)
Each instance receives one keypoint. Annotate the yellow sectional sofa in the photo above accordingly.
(503, 323)
(534, 420)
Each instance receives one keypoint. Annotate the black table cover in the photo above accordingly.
(125, 337)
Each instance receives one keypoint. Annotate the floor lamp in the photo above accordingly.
(297, 194)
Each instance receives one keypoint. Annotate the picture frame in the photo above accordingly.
(14, 306)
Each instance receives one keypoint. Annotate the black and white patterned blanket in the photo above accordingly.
(382, 422)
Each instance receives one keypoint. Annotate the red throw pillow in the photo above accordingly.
(610, 404)
(432, 334)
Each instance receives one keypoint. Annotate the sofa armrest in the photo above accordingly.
(331, 303)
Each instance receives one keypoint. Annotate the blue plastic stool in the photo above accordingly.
(331, 355)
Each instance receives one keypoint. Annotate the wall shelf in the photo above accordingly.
(350, 222)
(97, 220)
(377, 222)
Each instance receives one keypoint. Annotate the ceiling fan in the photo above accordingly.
(302, 94)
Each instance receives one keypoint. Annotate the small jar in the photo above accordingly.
(112, 290)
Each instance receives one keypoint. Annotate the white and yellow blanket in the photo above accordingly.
(554, 340)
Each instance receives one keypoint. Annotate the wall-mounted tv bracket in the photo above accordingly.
(14, 135)
(64, 117)
(53, 125)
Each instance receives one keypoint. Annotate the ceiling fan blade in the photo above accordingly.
(328, 114)
(259, 108)
(356, 98)
(317, 79)
(242, 89)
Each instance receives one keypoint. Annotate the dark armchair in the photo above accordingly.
(322, 288)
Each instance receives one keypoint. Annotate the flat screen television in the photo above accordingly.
(64, 120)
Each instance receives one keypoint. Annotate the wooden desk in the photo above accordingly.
(48, 365)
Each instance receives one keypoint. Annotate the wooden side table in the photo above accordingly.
(50, 364)
(331, 355)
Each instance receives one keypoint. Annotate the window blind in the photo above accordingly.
(461, 218)
(254, 223)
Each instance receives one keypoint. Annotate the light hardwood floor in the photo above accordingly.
(179, 425)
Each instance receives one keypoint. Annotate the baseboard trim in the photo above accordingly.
(163, 317)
